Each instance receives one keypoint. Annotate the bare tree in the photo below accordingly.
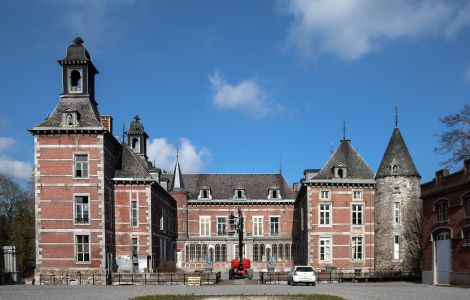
(455, 141)
(413, 234)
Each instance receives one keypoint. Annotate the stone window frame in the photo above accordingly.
(235, 250)
(353, 251)
(395, 216)
(278, 225)
(75, 118)
(466, 235)
(441, 210)
(330, 239)
(75, 248)
(75, 209)
(207, 221)
(274, 191)
(328, 193)
(226, 225)
(330, 214)
(81, 153)
(360, 213)
(236, 192)
(395, 236)
(201, 193)
(134, 236)
(136, 200)
(361, 193)
(260, 228)
(466, 204)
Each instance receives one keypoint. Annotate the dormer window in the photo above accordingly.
(75, 81)
(340, 171)
(69, 118)
(274, 193)
(239, 193)
(394, 169)
(205, 193)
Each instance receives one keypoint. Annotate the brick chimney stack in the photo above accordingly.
(107, 122)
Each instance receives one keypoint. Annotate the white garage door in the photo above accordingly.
(442, 260)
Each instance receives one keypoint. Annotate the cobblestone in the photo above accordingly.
(387, 290)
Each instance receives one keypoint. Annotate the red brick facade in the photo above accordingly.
(446, 228)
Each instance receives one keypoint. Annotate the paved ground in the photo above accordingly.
(388, 290)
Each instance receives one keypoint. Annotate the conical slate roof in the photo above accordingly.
(177, 183)
(346, 157)
(397, 155)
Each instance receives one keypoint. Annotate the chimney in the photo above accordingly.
(440, 176)
(295, 186)
(107, 122)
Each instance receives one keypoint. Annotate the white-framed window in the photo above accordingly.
(204, 225)
(324, 249)
(205, 193)
(396, 247)
(82, 248)
(274, 193)
(221, 225)
(324, 195)
(162, 218)
(236, 250)
(357, 248)
(82, 209)
(357, 195)
(134, 213)
(274, 225)
(239, 193)
(396, 212)
(324, 214)
(257, 226)
(75, 80)
(135, 250)
(357, 214)
(80, 165)
(394, 169)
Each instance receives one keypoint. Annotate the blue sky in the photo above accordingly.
(239, 86)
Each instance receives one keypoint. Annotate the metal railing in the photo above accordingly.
(345, 275)
(129, 279)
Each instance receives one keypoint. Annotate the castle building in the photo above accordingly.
(101, 206)
(98, 204)
(446, 227)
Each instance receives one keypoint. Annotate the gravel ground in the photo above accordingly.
(387, 290)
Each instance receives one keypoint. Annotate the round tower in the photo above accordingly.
(397, 209)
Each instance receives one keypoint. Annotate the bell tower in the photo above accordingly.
(78, 72)
(137, 137)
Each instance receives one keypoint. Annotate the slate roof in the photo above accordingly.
(346, 156)
(177, 182)
(132, 165)
(136, 126)
(87, 112)
(222, 185)
(397, 154)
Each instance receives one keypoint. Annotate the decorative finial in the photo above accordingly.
(78, 41)
(136, 117)
(344, 130)
(396, 115)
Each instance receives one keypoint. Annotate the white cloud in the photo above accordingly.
(246, 96)
(192, 160)
(22, 170)
(353, 28)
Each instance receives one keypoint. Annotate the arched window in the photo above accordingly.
(223, 253)
(394, 169)
(281, 252)
(340, 173)
(217, 252)
(135, 144)
(204, 251)
(440, 208)
(261, 252)
(255, 252)
(211, 254)
(239, 194)
(274, 247)
(198, 252)
(192, 253)
(288, 254)
(205, 194)
(186, 253)
(75, 81)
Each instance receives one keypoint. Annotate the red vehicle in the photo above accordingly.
(240, 267)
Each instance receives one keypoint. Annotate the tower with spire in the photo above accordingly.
(397, 207)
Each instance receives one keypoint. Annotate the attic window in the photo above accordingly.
(340, 172)
(239, 193)
(75, 81)
(394, 169)
(69, 118)
(205, 193)
(274, 193)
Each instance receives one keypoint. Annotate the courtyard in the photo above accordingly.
(377, 290)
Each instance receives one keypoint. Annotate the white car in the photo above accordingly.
(301, 274)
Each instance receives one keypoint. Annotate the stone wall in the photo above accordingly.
(406, 191)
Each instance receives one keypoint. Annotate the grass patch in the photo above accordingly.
(274, 297)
